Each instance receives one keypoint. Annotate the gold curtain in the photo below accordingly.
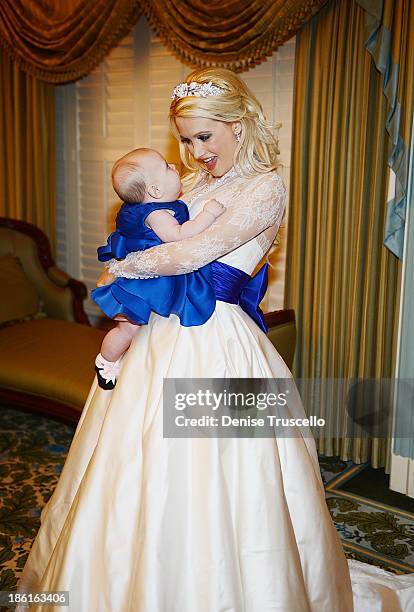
(342, 282)
(27, 147)
(60, 48)
(237, 34)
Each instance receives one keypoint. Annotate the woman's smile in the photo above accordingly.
(212, 143)
(209, 162)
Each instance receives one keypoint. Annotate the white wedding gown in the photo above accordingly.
(143, 523)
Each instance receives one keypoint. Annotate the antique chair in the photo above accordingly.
(282, 333)
(47, 347)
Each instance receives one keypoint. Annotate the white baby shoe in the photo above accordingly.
(107, 372)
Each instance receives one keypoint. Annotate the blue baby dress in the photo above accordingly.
(190, 296)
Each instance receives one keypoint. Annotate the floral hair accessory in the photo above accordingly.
(201, 90)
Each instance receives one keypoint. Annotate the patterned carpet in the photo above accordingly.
(371, 531)
(32, 453)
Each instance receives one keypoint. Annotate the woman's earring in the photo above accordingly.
(238, 136)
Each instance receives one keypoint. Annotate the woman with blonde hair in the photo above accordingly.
(145, 523)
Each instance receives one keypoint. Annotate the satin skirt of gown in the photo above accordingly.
(143, 523)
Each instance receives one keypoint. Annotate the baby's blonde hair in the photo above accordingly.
(257, 152)
(128, 179)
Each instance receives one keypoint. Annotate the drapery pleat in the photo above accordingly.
(342, 282)
(61, 48)
(27, 147)
(237, 34)
(389, 27)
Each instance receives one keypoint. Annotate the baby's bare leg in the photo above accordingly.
(117, 341)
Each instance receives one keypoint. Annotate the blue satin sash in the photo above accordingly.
(237, 287)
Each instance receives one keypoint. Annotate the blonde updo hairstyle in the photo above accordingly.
(257, 151)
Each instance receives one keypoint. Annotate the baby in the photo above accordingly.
(150, 214)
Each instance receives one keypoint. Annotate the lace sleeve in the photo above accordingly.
(260, 204)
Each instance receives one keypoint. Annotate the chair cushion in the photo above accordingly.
(19, 297)
(50, 358)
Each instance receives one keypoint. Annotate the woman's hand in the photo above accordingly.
(106, 278)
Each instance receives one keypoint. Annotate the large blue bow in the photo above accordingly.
(115, 248)
(237, 287)
(252, 295)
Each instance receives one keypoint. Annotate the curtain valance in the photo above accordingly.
(237, 34)
(62, 48)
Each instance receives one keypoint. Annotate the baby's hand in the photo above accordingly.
(214, 207)
(106, 278)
